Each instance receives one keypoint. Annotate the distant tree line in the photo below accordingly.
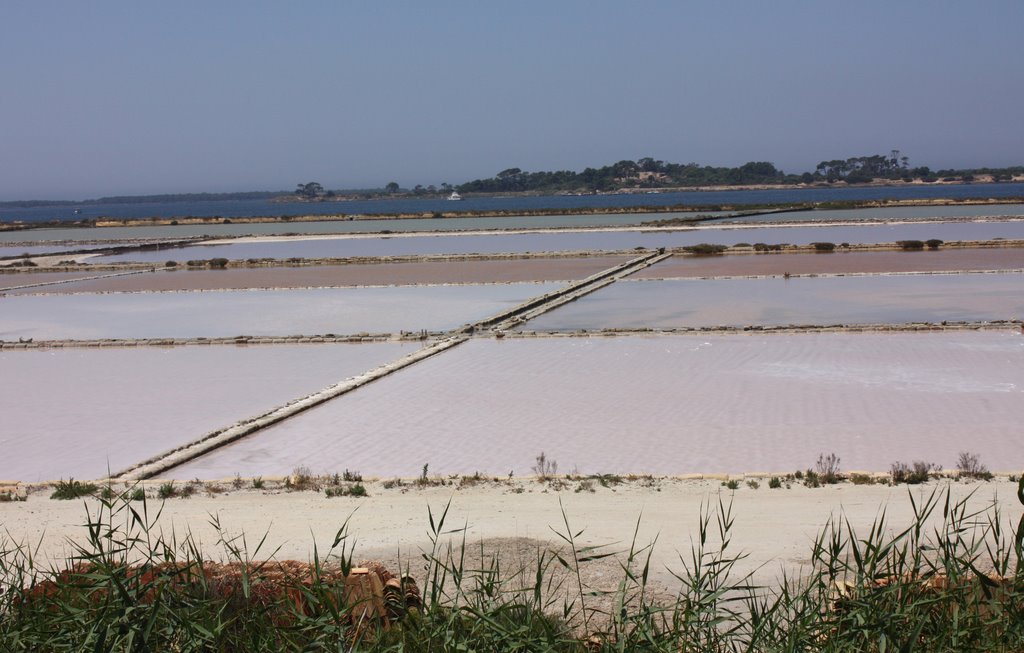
(652, 173)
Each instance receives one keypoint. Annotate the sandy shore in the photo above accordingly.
(774, 527)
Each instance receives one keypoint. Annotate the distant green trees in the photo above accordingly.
(646, 172)
(309, 190)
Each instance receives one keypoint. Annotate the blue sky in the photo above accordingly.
(101, 98)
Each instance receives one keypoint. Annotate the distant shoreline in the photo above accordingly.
(696, 210)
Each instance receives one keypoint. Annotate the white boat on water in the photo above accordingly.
(455, 197)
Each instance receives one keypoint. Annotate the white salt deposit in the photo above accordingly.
(257, 312)
(664, 404)
(87, 412)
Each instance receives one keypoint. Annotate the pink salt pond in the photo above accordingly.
(664, 405)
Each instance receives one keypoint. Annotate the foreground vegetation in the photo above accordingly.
(947, 581)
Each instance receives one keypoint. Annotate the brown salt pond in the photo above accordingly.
(942, 260)
(665, 405)
(87, 412)
(371, 274)
(12, 283)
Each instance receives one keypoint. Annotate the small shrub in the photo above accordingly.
(775, 483)
(302, 479)
(811, 479)
(218, 263)
(257, 483)
(913, 474)
(608, 480)
(862, 479)
(753, 484)
(171, 264)
(393, 483)
(742, 245)
(138, 494)
(72, 489)
(827, 469)
(969, 465)
(237, 482)
(731, 484)
(352, 477)
(470, 481)
(908, 245)
(544, 468)
(933, 243)
(823, 247)
(705, 249)
(357, 490)
(167, 490)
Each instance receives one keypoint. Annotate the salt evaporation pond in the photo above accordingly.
(228, 313)
(173, 232)
(871, 299)
(665, 405)
(889, 213)
(556, 241)
(87, 412)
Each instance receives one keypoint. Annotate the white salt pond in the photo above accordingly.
(214, 314)
(555, 241)
(871, 299)
(84, 412)
(665, 405)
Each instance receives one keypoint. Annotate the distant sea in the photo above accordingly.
(256, 208)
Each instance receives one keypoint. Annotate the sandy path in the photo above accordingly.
(775, 527)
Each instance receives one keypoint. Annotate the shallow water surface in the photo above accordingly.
(575, 241)
(87, 412)
(873, 299)
(219, 314)
(663, 404)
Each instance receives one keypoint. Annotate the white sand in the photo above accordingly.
(775, 527)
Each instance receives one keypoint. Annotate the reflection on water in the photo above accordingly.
(803, 300)
(575, 241)
(222, 314)
(86, 412)
(663, 405)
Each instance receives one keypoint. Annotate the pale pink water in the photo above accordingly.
(664, 404)
(84, 412)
